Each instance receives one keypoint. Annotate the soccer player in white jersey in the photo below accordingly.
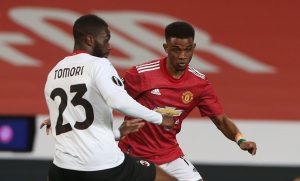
(81, 91)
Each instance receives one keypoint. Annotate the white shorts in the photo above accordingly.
(182, 169)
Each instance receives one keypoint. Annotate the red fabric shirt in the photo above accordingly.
(152, 86)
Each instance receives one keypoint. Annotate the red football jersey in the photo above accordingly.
(152, 86)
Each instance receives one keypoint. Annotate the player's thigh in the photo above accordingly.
(182, 169)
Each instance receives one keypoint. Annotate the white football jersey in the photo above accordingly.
(81, 91)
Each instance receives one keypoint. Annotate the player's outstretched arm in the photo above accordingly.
(126, 127)
(230, 130)
(167, 122)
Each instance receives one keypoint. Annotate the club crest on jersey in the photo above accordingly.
(168, 110)
(117, 81)
(187, 97)
(144, 163)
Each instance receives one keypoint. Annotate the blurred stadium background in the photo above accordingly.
(250, 51)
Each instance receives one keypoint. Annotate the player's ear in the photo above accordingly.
(165, 47)
(89, 40)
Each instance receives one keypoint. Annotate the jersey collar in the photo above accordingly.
(163, 63)
(78, 52)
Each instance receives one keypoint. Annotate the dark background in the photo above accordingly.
(30, 170)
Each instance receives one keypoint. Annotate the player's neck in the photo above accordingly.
(78, 47)
(175, 74)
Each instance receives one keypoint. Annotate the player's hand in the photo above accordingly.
(46, 123)
(168, 122)
(249, 146)
(130, 126)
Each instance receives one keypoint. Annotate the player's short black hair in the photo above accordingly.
(87, 24)
(179, 29)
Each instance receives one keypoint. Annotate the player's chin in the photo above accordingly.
(181, 68)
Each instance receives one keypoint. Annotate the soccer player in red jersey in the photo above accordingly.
(170, 86)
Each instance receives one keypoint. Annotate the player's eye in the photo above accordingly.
(175, 49)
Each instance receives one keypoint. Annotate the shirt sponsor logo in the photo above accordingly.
(187, 97)
(168, 110)
(156, 92)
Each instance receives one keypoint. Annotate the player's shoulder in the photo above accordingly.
(84, 58)
(194, 72)
(147, 67)
(98, 62)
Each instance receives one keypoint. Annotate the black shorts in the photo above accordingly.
(132, 169)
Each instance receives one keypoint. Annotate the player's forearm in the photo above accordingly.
(226, 126)
(128, 106)
(230, 129)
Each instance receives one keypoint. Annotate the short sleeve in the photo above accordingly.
(133, 82)
(209, 104)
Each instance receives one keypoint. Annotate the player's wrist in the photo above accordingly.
(239, 138)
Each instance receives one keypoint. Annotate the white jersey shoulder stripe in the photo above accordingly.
(150, 69)
(147, 67)
(196, 72)
(146, 64)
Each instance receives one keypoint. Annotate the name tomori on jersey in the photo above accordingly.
(68, 72)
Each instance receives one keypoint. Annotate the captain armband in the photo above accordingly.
(239, 138)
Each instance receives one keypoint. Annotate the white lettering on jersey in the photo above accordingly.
(68, 72)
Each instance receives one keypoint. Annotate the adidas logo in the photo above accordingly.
(155, 91)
